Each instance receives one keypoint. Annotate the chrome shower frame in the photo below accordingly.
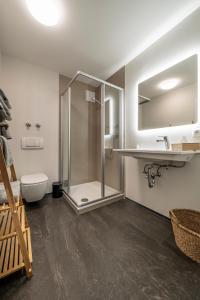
(103, 200)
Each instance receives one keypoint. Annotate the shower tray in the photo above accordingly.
(86, 196)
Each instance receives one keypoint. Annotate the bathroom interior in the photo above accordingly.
(99, 149)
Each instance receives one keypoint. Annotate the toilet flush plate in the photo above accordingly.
(30, 143)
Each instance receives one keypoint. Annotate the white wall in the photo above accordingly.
(34, 94)
(177, 187)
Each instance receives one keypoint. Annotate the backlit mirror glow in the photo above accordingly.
(108, 117)
(169, 84)
(169, 98)
(47, 12)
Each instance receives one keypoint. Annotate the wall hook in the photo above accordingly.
(28, 125)
(38, 126)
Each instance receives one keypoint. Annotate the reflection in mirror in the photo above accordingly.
(107, 117)
(170, 97)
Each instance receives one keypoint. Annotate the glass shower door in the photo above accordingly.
(85, 157)
(65, 153)
(92, 126)
(113, 133)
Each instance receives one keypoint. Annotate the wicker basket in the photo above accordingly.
(186, 227)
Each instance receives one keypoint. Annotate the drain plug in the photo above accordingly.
(84, 200)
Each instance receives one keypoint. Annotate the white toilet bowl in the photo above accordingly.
(34, 186)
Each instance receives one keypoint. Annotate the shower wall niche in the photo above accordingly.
(91, 127)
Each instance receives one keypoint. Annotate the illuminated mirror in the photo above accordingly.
(170, 97)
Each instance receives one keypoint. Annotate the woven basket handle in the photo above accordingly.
(173, 217)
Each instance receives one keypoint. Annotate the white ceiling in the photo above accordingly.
(95, 36)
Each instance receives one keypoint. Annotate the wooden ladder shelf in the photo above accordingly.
(15, 240)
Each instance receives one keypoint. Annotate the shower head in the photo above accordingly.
(93, 100)
(90, 97)
(90, 100)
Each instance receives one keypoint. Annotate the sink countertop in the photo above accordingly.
(158, 154)
(158, 151)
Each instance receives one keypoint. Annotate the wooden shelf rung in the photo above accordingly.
(12, 251)
(11, 259)
(7, 254)
(29, 247)
(7, 228)
(3, 249)
(4, 222)
(5, 206)
(16, 256)
(8, 224)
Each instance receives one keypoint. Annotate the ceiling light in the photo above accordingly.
(169, 84)
(47, 12)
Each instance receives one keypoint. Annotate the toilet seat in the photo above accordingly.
(33, 179)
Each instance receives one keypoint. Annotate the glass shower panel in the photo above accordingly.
(85, 157)
(113, 120)
(65, 138)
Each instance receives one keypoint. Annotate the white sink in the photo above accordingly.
(164, 155)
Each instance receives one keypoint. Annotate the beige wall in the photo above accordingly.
(0, 57)
(176, 187)
(63, 81)
(34, 94)
(0, 66)
(118, 78)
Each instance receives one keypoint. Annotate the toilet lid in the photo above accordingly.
(34, 178)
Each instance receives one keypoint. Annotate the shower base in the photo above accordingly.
(87, 196)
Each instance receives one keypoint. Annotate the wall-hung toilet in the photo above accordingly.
(34, 186)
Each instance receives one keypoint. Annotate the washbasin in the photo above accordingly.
(155, 154)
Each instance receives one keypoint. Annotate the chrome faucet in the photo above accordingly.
(165, 140)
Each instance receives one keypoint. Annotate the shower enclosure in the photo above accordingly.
(92, 125)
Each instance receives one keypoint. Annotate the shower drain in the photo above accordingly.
(84, 200)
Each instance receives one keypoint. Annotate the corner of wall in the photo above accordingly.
(0, 64)
(63, 81)
(118, 78)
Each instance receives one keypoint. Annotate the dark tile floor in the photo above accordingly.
(119, 252)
